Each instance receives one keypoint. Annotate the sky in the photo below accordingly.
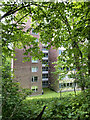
(46, 0)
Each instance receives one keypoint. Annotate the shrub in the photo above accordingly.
(12, 93)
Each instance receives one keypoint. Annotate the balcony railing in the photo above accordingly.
(44, 44)
(44, 79)
(44, 51)
(44, 65)
(43, 72)
(45, 58)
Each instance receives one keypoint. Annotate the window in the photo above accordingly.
(34, 88)
(45, 83)
(45, 54)
(67, 84)
(71, 84)
(59, 52)
(44, 75)
(34, 78)
(59, 85)
(44, 68)
(44, 48)
(34, 32)
(34, 60)
(64, 84)
(45, 62)
(34, 69)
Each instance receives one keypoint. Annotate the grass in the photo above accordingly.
(48, 93)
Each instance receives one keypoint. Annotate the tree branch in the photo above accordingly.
(15, 9)
(22, 18)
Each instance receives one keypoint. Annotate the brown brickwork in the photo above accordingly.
(23, 73)
(53, 82)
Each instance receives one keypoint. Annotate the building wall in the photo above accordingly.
(53, 82)
(23, 73)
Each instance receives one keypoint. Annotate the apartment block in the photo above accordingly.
(35, 74)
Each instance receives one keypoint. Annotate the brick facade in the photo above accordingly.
(23, 70)
(23, 73)
(54, 83)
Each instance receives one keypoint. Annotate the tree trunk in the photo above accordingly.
(41, 113)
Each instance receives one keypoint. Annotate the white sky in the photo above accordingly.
(46, 0)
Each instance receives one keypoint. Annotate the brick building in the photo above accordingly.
(35, 74)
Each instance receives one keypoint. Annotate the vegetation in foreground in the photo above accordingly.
(67, 108)
(48, 93)
(16, 105)
(77, 44)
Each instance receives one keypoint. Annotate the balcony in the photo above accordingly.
(44, 65)
(44, 51)
(45, 62)
(44, 79)
(44, 44)
(33, 61)
(45, 58)
(44, 72)
(44, 84)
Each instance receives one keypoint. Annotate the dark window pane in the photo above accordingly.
(45, 76)
(34, 78)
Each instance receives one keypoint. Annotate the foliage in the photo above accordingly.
(67, 24)
(68, 108)
(14, 36)
(59, 24)
(14, 32)
(12, 93)
(48, 93)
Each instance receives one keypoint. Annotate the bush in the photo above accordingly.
(12, 94)
(16, 107)
(71, 108)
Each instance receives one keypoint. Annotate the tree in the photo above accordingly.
(14, 36)
(66, 24)
(60, 24)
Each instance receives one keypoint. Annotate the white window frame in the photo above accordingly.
(35, 88)
(33, 78)
(34, 61)
(34, 69)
